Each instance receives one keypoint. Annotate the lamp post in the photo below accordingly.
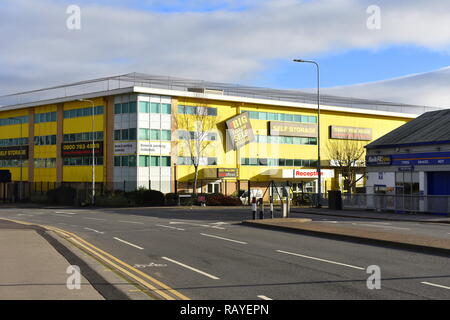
(21, 157)
(319, 185)
(93, 149)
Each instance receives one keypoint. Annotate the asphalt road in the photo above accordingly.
(204, 254)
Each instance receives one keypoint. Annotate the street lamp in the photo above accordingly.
(21, 157)
(318, 205)
(93, 149)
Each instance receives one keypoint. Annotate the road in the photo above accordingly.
(205, 254)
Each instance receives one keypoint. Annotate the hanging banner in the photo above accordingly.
(17, 152)
(81, 149)
(350, 133)
(292, 129)
(240, 130)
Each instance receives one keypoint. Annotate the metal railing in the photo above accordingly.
(397, 203)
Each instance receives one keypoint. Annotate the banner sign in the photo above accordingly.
(227, 173)
(350, 133)
(292, 129)
(19, 152)
(430, 158)
(81, 149)
(147, 148)
(240, 130)
(125, 148)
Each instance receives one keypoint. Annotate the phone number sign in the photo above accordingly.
(79, 149)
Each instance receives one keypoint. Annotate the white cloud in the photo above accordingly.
(427, 89)
(225, 45)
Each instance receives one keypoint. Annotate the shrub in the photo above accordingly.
(221, 200)
(62, 195)
(112, 200)
(145, 197)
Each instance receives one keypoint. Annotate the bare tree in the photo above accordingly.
(346, 155)
(195, 127)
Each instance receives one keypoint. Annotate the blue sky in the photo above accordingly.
(249, 42)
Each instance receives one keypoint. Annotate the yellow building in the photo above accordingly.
(132, 126)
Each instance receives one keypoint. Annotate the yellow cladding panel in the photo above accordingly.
(45, 151)
(45, 128)
(13, 131)
(46, 108)
(82, 173)
(45, 174)
(15, 173)
(83, 124)
(82, 104)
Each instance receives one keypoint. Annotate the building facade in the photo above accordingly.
(131, 126)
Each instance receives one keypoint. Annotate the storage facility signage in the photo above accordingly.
(19, 152)
(80, 149)
(227, 173)
(125, 148)
(292, 129)
(430, 158)
(147, 148)
(350, 133)
(378, 160)
(240, 130)
(307, 173)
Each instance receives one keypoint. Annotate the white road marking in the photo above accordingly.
(94, 219)
(376, 226)
(61, 215)
(196, 224)
(101, 232)
(124, 221)
(436, 285)
(65, 212)
(126, 242)
(175, 228)
(323, 260)
(226, 239)
(192, 269)
(25, 214)
(264, 297)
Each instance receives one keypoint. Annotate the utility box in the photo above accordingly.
(334, 200)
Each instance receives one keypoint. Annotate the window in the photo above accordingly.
(144, 106)
(155, 134)
(132, 106)
(165, 135)
(125, 134)
(166, 108)
(117, 108)
(165, 161)
(155, 107)
(143, 161)
(143, 134)
(154, 161)
(83, 112)
(125, 107)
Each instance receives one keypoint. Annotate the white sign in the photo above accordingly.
(146, 148)
(307, 173)
(124, 147)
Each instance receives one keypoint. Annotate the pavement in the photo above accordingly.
(370, 214)
(386, 234)
(38, 265)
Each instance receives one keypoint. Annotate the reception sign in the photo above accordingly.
(227, 173)
(240, 130)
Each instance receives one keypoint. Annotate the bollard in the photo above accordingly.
(261, 209)
(254, 207)
(271, 207)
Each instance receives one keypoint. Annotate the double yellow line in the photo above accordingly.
(155, 286)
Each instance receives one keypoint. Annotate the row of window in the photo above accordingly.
(152, 107)
(144, 161)
(191, 135)
(13, 142)
(155, 134)
(205, 161)
(10, 163)
(126, 107)
(271, 116)
(82, 161)
(278, 162)
(285, 140)
(13, 120)
(45, 140)
(82, 112)
(83, 136)
(45, 163)
(182, 109)
(125, 134)
(44, 117)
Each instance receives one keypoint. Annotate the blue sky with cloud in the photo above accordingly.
(249, 41)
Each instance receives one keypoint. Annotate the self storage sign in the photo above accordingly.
(20, 152)
(79, 149)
